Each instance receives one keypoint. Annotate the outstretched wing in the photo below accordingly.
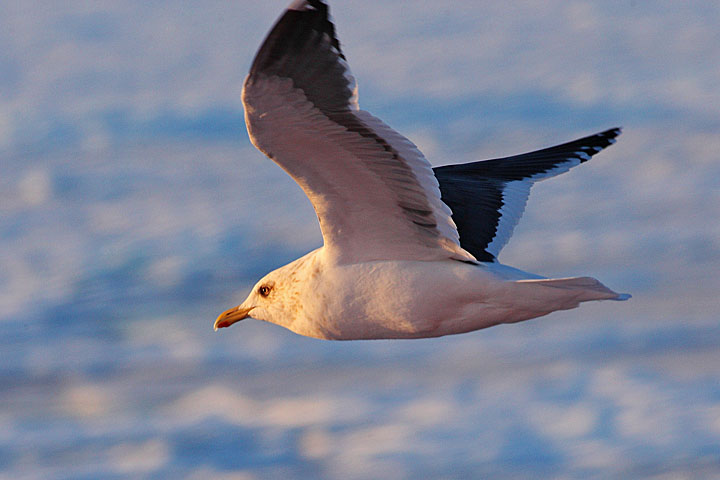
(488, 198)
(374, 192)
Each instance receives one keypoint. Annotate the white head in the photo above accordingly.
(275, 298)
(265, 302)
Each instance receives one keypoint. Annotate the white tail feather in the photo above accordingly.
(562, 293)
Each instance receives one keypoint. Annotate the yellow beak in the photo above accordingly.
(228, 317)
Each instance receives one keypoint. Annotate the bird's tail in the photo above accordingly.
(565, 293)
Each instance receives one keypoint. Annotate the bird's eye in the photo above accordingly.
(264, 291)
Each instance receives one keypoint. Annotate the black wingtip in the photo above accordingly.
(586, 147)
(304, 4)
(318, 4)
(600, 141)
(611, 134)
(298, 26)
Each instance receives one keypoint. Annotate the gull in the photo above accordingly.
(409, 251)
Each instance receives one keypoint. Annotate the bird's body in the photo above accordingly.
(393, 298)
(409, 251)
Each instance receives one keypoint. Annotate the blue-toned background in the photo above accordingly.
(133, 210)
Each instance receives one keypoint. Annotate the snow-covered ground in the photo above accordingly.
(133, 210)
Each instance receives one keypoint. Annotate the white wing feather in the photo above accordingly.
(374, 193)
(361, 192)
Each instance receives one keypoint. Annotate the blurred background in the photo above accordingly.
(133, 210)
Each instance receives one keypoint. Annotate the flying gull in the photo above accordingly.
(409, 251)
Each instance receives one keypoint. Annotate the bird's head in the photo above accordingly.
(259, 304)
(274, 299)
